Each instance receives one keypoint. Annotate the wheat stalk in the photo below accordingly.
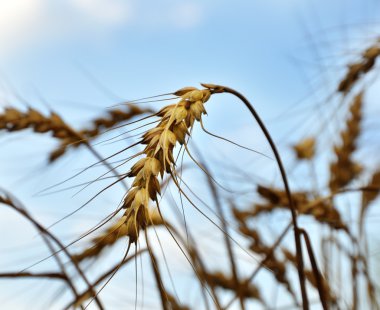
(310, 275)
(368, 196)
(277, 267)
(6, 199)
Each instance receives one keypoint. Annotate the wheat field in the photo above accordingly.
(196, 195)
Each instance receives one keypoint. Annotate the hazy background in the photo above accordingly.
(79, 57)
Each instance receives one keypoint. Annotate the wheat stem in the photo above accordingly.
(222, 89)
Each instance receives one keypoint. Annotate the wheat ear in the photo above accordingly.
(357, 69)
(174, 125)
(97, 127)
(175, 122)
(344, 169)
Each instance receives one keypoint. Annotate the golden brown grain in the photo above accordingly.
(344, 169)
(305, 149)
(113, 118)
(176, 121)
(357, 69)
(111, 235)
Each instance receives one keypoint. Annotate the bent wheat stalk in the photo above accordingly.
(176, 121)
(300, 265)
(7, 200)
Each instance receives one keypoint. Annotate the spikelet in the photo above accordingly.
(358, 69)
(324, 212)
(279, 197)
(247, 290)
(305, 149)
(14, 120)
(305, 203)
(175, 122)
(112, 234)
(113, 118)
(344, 169)
(275, 199)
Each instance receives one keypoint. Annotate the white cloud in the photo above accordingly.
(168, 14)
(19, 20)
(104, 11)
(24, 23)
(187, 15)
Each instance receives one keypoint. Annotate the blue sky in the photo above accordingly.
(140, 47)
(81, 56)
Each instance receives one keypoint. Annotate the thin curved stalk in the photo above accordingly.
(262, 262)
(300, 264)
(105, 276)
(157, 275)
(317, 274)
(222, 216)
(44, 231)
(196, 259)
(62, 267)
